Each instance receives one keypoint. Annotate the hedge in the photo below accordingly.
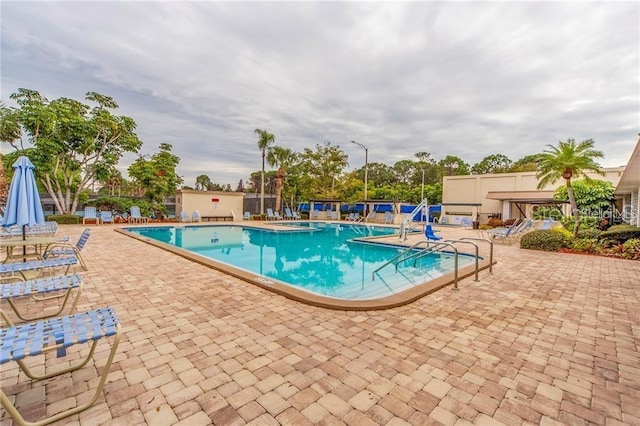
(545, 240)
(63, 219)
(620, 233)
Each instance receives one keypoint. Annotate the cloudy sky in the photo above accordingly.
(469, 79)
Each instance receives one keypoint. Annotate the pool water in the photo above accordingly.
(328, 259)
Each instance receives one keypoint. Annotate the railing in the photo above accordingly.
(432, 246)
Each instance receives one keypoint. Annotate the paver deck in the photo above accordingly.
(546, 339)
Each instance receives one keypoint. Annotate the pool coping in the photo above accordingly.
(399, 299)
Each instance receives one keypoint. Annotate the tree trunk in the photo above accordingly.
(574, 209)
(279, 183)
(4, 189)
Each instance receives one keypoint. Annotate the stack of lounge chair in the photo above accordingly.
(32, 331)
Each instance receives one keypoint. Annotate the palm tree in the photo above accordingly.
(282, 158)
(568, 160)
(265, 140)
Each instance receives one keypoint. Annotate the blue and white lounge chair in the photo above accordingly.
(18, 270)
(136, 216)
(195, 216)
(39, 290)
(66, 249)
(287, 213)
(270, 215)
(37, 338)
(106, 217)
(91, 214)
(296, 215)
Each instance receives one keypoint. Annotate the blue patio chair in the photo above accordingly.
(287, 213)
(136, 216)
(18, 270)
(466, 222)
(37, 338)
(90, 213)
(106, 216)
(430, 234)
(270, 215)
(246, 216)
(184, 217)
(195, 216)
(66, 249)
(277, 216)
(296, 216)
(39, 290)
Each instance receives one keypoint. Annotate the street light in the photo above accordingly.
(366, 175)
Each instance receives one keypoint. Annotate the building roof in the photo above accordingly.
(531, 197)
(630, 179)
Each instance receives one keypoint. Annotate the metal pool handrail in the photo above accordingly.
(429, 249)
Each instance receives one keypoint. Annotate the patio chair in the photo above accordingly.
(195, 216)
(136, 216)
(466, 222)
(315, 214)
(18, 270)
(246, 216)
(19, 342)
(430, 234)
(66, 249)
(106, 217)
(277, 215)
(184, 217)
(39, 290)
(334, 215)
(287, 213)
(90, 213)
(296, 215)
(388, 217)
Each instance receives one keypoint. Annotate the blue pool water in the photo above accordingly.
(322, 258)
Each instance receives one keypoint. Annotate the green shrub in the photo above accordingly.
(542, 213)
(64, 219)
(545, 240)
(589, 233)
(631, 249)
(585, 245)
(586, 222)
(618, 234)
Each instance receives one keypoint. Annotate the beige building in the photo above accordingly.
(503, 195)
(628, 189)
(211, 205)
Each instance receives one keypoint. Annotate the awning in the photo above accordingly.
(529, 197)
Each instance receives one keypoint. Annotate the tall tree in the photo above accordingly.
(73, 142)
(568, 160)
(9, 132)
(282, 158)
(322, 167)
(157, 176)
(203, 182)
(453, 166)
(265, 140)
(495, 163)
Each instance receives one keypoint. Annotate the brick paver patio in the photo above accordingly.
(546, 339)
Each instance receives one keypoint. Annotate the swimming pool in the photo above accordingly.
(329, 260)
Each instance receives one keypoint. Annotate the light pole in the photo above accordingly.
(366, 175)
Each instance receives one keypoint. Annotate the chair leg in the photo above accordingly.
(19, 420)
(66, 296)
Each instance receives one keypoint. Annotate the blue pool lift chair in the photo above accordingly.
(67, 250)
(19, 342)
(430, 234)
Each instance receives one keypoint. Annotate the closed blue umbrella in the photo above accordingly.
(23, 203)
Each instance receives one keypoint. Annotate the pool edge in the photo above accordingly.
(403, 298)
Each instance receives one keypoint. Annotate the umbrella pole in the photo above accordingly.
(24, 247)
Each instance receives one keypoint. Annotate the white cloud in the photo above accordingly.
(450, 78)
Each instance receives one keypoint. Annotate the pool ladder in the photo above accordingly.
(412, 253)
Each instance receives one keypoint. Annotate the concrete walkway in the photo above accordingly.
(546, 339)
